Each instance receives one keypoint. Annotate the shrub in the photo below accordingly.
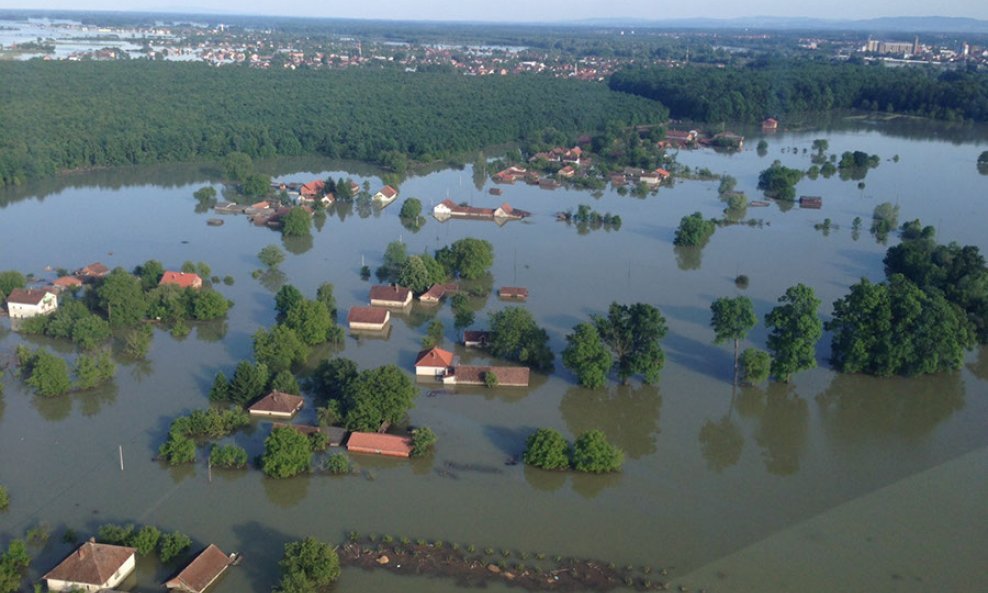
(592, 453)
(423, 440)
(754, 365)
(337, 464)
(547, 449)
(228, 456)
(173, 544)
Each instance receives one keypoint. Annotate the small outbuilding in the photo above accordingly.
(812, 202)
(379, 444)
(92, 567)
(23, 303)
(277, 404)
(93, 271)
(476, 338)
(203, 571)
(368, 318)
(513, 292)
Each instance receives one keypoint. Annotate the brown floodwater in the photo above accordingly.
(761, 489)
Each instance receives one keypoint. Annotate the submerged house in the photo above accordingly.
(277, 405)
(203, 571)
(390, 295)
(517, 293)
(23, 303)
(387, 195)
(379, 444)
(92, 567)
(434, 362)
(181, 279)
(368, 318)
(477, 375)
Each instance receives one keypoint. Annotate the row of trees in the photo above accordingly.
(146, 540)
(48, 374)
(362, 400)
(115, 113)
(591, 452)
(750, 93)
(467, 258)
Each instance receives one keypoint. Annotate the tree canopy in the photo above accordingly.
(633, 333)
(795, 328)
(515, 336)
(376, 396)
(694, 230)
(594, 454)
(547, 449)
(287, 453)
(587, 356)
(467, 258)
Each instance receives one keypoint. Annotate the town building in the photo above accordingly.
(390, 295)
(379, 444)
(204, 570)
(180, 279)
(368, 318)
(92, 567)
(23, 303)
(433, 362)
(277, 405)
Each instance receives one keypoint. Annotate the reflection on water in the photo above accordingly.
(93, 400)
(782, 429)
(53, 409)
(288, 492)
(297, 245)
(591, 485)
(857, 409)
(721, 443)
(211, 331)
(546, 481)
(688, 258)
(979, 368)
(628, 415)
(272, 279)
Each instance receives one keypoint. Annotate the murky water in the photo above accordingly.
(707, 475)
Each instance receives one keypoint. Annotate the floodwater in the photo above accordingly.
(832, 482)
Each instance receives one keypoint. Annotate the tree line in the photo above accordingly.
(769, 88)
(65, 115)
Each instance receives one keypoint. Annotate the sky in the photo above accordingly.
(531, 11)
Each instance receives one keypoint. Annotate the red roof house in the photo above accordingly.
(92, 567)
(379, 444)
(512, 292)
(368, 318)
(390, 295)
(433, 362)
(202, 572)
(181, 279)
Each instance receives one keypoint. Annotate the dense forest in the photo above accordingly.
(775, 88)
(62, 115)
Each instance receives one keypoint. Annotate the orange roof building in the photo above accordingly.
(368, 318)
(202, 572)
(513, 292)
(379, 444)
(92, 567)
(181, 279)
(277, 405)
(433, 362)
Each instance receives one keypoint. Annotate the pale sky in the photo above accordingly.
(531, 11)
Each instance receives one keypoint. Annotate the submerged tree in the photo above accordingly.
(795, 329)
(732, 319)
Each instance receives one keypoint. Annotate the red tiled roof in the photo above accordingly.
(95, 269)
(27, 296)
(509, 376)
(91, 564)
(434, 357)
(390, 293)
(388, 192)
(435, 292)
(313, 188)
(67, 281)
(278, 402)
(512, 292)
(181, 279)
(367, 315)
(381, 444)
(201, 572)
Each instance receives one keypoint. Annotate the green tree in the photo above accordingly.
(414, 275)
(779, 181)
(145, 540)
(228, 456)
(587, 356)
(324, 294)
(4, 498)
(287, 453)
(376, 396)
(279, 348)
(755, 366)
(122, 299)
(592, 453)
(468, 258)
(311, 321)
(423, 441)
(337, 464)
(732, 319)
(983, 158)
(150, 273)
(795, 328)
(237, 166)
(285, 299)
(285, 382)
(515, 336)
(490, 379)
(220, 391)
(547, 449)
(308, 565)
(411, 208)
(207, 304)
(249, 382)
(90, 331)
(256, 185)
(271, 256)
(332, 378)
(694, 231)
(297, 223)
(173, 545)
(395, 256)
(434, 334)
(178, 450)
(633, 333)
(48, 374)
(93, 370)
(9, 280)
(117, 535)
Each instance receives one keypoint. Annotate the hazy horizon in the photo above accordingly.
(525, 12)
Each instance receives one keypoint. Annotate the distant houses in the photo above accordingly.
(204, 570)
(277, 405)
(449, 209)
(379, 444)
(65, 283)
(93, 271)
(23, 303)
(181, 280)
(92, 567)
(368, 318)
